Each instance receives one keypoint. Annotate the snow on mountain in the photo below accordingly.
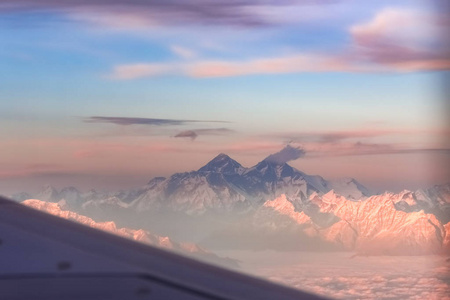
(435, 200)
(223, 164)
(446, 241)
(221, 186)
(196, 192)
(102, 202)
(276, 225)
(372, 226)
(269, 179)
(441, 193)
(49, 194)
(57, 209)
(349, 188)
(140, 235)
(286, 208)
(71, 195)
(224, 186)
(275, 198)
(21, 196)
(193, 193)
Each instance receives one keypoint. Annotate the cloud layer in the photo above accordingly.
(339, 277)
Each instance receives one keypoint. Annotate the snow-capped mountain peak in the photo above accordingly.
(350, 188)
(224, 164)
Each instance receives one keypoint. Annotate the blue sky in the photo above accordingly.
(285, 71)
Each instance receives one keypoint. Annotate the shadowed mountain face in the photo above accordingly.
(222, 163)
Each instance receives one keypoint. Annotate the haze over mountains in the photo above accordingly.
(271, 205)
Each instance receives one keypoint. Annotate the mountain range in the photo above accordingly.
(271, 205)
(221, 186)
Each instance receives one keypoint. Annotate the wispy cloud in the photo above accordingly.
(142, 70)
(337, 136)
(394, 40)
(125, 121)
(183, 52)
(220, 68)
(285, 155)
(333, 149)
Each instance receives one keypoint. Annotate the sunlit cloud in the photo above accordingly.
(277, 65)
(302, 63)
(404, 39)
(394, 40)
(220, 68)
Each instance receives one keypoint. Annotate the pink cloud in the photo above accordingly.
(394, 40)
(203, 69)
(287, 64)
(403, 40)
(25, 170)
(134, 71)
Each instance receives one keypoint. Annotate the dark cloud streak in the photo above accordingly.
(193, 134)
(126, 121)
(187, 134)
(340, 136)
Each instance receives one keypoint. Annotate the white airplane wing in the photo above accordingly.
(46, 257)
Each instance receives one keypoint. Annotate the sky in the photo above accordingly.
(107, 94)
